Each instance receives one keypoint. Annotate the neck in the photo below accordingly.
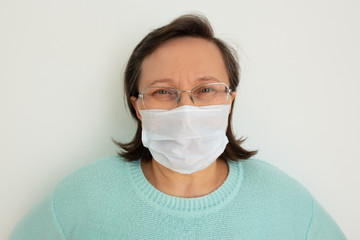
(186, 185)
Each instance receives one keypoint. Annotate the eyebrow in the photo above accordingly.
(165, 80)
(208, 78)
(200, 79)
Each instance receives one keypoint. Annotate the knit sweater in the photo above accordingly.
(111, 199)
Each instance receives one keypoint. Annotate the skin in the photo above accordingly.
(183, 63)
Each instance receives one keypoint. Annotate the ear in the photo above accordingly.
(135, 106)
(231, 100)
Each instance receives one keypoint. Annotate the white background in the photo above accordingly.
(61, 94)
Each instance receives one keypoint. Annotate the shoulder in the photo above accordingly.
(92, 180)
(88, 191)
(270, 182)
(261, 171)
(96, 170)
(260, 167)
(269, 192)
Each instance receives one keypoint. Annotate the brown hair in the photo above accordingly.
(190, 25)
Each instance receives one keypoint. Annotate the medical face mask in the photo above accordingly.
(186, 139)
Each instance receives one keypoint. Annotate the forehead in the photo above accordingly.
(183, 59)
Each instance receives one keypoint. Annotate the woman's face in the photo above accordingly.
(182, 63)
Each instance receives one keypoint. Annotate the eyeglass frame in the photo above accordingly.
(178, 98)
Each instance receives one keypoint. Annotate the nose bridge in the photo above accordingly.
(184, 100)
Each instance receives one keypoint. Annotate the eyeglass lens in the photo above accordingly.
(202, 95)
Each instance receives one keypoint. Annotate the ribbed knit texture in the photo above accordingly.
(111, 199)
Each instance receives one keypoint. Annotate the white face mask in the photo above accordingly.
(186, 139)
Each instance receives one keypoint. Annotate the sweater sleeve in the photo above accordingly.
(322, 226)
(39, 224)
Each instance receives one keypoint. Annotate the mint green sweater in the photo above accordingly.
(111, 199)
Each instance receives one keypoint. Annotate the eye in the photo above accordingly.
(162, 91)
(205, 90)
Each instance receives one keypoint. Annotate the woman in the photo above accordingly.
(183, 176)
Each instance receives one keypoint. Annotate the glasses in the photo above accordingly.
(168, 97)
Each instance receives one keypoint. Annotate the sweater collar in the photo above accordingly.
(187, 206)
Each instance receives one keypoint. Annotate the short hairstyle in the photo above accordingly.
(189, 25)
